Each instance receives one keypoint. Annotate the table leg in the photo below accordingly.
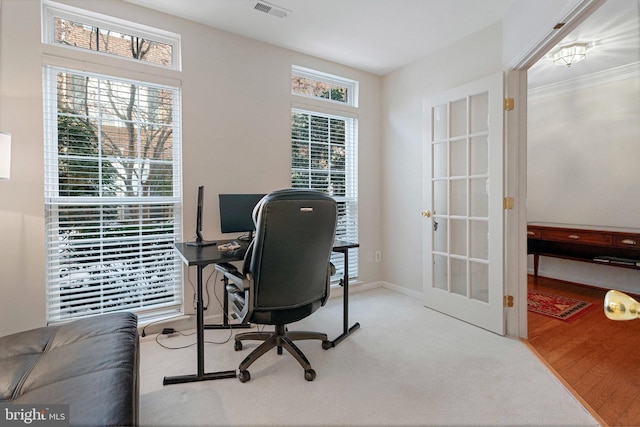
(200, 375)
(346, 330)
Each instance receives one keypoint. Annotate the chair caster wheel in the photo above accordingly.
(327, 345)
(309, 374)
(237, 346)
(244, 376)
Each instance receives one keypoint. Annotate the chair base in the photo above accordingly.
(280, 338)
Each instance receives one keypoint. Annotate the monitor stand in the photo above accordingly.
(200, 242)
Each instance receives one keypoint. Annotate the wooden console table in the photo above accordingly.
(613, 246)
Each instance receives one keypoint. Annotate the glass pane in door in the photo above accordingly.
(440, 235)
(459, 276)
(459, 197)
(440, 160)
(440, 197)
(479, 281)
(458, 122)
(458, 236)
(479, 154)
(458, 157)
(479, 112)
(440, 272)
(479, 197)
(440, 121)
(479, 239)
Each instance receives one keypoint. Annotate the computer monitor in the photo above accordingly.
(236, 213)
(199, 240)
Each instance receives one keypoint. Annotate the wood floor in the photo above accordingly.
(597, 358)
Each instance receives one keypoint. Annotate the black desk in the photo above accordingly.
(202, 257)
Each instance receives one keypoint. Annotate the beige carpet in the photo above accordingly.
(406, 365)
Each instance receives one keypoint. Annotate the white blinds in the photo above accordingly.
(112, 195)
(324, 157)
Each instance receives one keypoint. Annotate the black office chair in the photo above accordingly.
(286, 272)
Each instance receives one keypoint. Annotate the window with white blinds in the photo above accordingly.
(112, 195)
(324, 157)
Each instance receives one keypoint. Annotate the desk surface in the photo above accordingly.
(585, 227)
(193, 255)
(342, 245)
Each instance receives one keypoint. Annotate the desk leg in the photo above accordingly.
(200, 375)
(536, 262)
(346, 330)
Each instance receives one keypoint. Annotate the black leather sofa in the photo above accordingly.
(90, 364)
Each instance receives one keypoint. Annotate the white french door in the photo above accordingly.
(463, 203)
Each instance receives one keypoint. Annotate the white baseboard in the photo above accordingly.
(359, 287)
(187, 321)
(414, 294)
(355, 287)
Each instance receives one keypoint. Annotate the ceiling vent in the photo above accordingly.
(270, 9)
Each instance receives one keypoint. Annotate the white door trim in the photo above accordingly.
(516, 165)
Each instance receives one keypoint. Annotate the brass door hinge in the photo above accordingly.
(507, 203)
(509, 104)
(508, 301)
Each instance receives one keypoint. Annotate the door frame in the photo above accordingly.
(515, 238)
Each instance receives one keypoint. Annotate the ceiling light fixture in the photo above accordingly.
(570, 54)
(270, 9)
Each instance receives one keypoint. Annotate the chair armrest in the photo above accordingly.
(331, 271)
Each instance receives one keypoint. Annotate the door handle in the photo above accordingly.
(426, 214)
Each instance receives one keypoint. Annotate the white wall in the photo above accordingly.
(236, 138)
(22, 302)
(583, 168)
(492, 50)
(404, 91)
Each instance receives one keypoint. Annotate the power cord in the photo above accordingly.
(172, 331)
(144, 332)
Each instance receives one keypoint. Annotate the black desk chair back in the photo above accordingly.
(286, 273)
